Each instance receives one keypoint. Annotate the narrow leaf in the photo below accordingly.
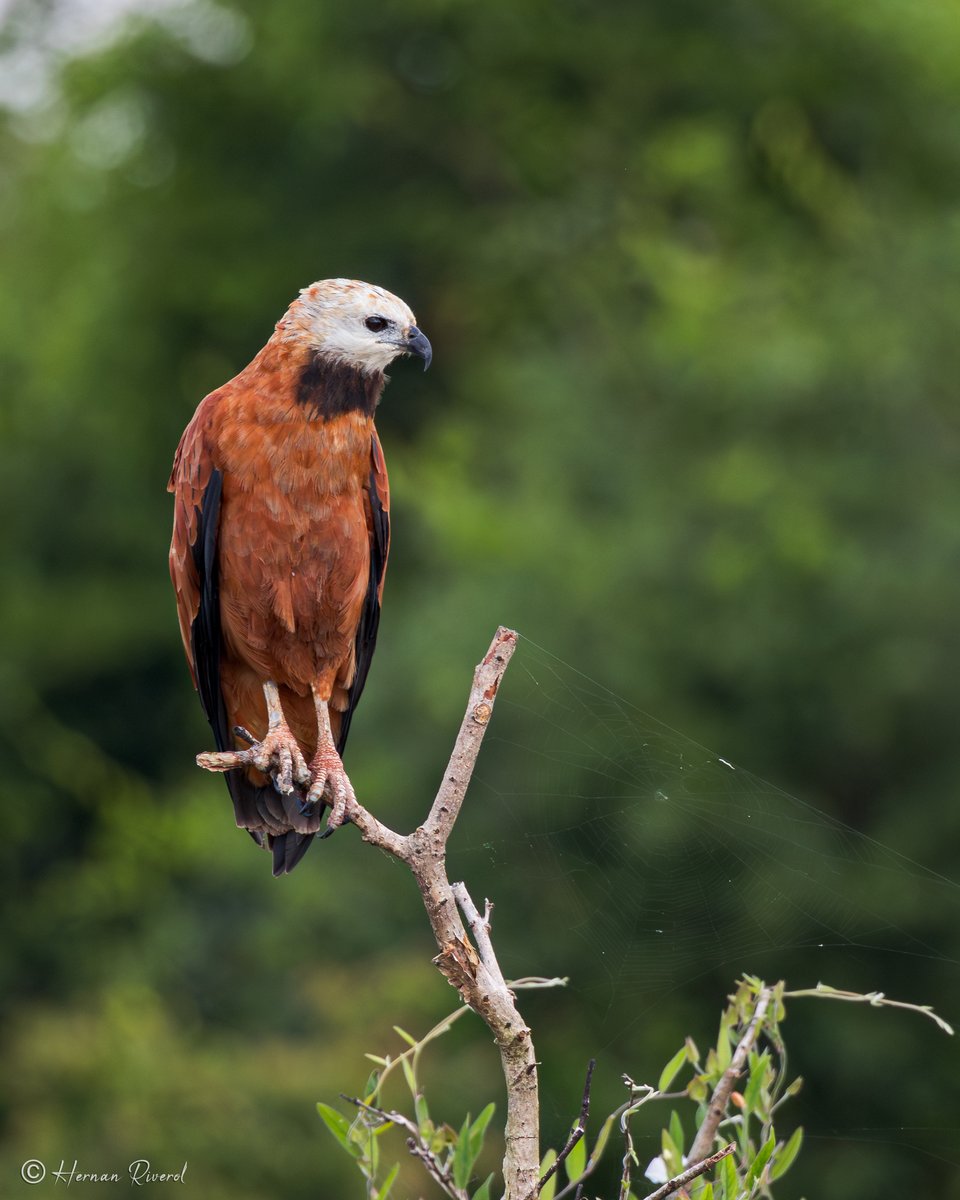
(676, 1130)
(601, 1143)
(671, 1153)
(670, 1071)
(462, 1162)
(339, 1126)
(576, 1160)
(756, 1167)
(728, 1177)
(549, 1188)
(723, 1042)
(784, 1160)
(411, 1041)
(478, 1129)
(373, 1154)
(387, 1184)
(758, 1078)
(483, 1191)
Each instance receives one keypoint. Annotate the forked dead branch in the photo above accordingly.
(469, 963)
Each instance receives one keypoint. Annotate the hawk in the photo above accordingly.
(280, 538)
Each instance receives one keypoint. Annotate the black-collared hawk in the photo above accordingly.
(280, 537)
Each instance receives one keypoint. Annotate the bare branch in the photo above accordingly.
(480, 928)
(537, 981)
(629, 1159)
(483, 693)
(691, 1173)
(429, 1160)
(473, 971)
(874, 999)
(384, 1116)
(703, 1142)
(578, 1130)
(380, 835)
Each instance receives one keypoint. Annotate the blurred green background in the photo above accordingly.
(691, 272)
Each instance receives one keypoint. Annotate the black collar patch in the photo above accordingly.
(330, 389)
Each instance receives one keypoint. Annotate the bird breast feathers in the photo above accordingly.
(300, 458)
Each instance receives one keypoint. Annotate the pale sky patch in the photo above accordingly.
(41, 37)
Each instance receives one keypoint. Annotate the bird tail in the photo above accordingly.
(288, 848)
(263, 811)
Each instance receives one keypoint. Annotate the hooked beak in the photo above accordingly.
(417, 344)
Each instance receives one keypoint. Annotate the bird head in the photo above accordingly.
(353, 323)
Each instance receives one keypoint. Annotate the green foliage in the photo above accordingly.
(670, 1071)
(549, 1186)
(576, 1161)
(450, 1155)
(746, 1126)
(754, 1157)
(360, 1139)
(690, 273)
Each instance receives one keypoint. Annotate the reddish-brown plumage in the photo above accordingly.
(279, 551)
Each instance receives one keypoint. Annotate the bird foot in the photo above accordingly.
(278, 756)
(328, 776)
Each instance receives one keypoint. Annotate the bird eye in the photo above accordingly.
(375, 324)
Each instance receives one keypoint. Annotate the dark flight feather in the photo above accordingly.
(205, 630)
(370, 616)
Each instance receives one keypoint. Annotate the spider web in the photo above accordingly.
(666, 859)
(653, 873)
(650, 868)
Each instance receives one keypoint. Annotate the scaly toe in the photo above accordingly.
(343, 798)
(283, 780)
(260, 757)
(319, 782)
(337, 811)
(277, 756)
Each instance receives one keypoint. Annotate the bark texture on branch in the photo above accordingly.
(703, 1142)
(690, 1174)
(471, 966)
